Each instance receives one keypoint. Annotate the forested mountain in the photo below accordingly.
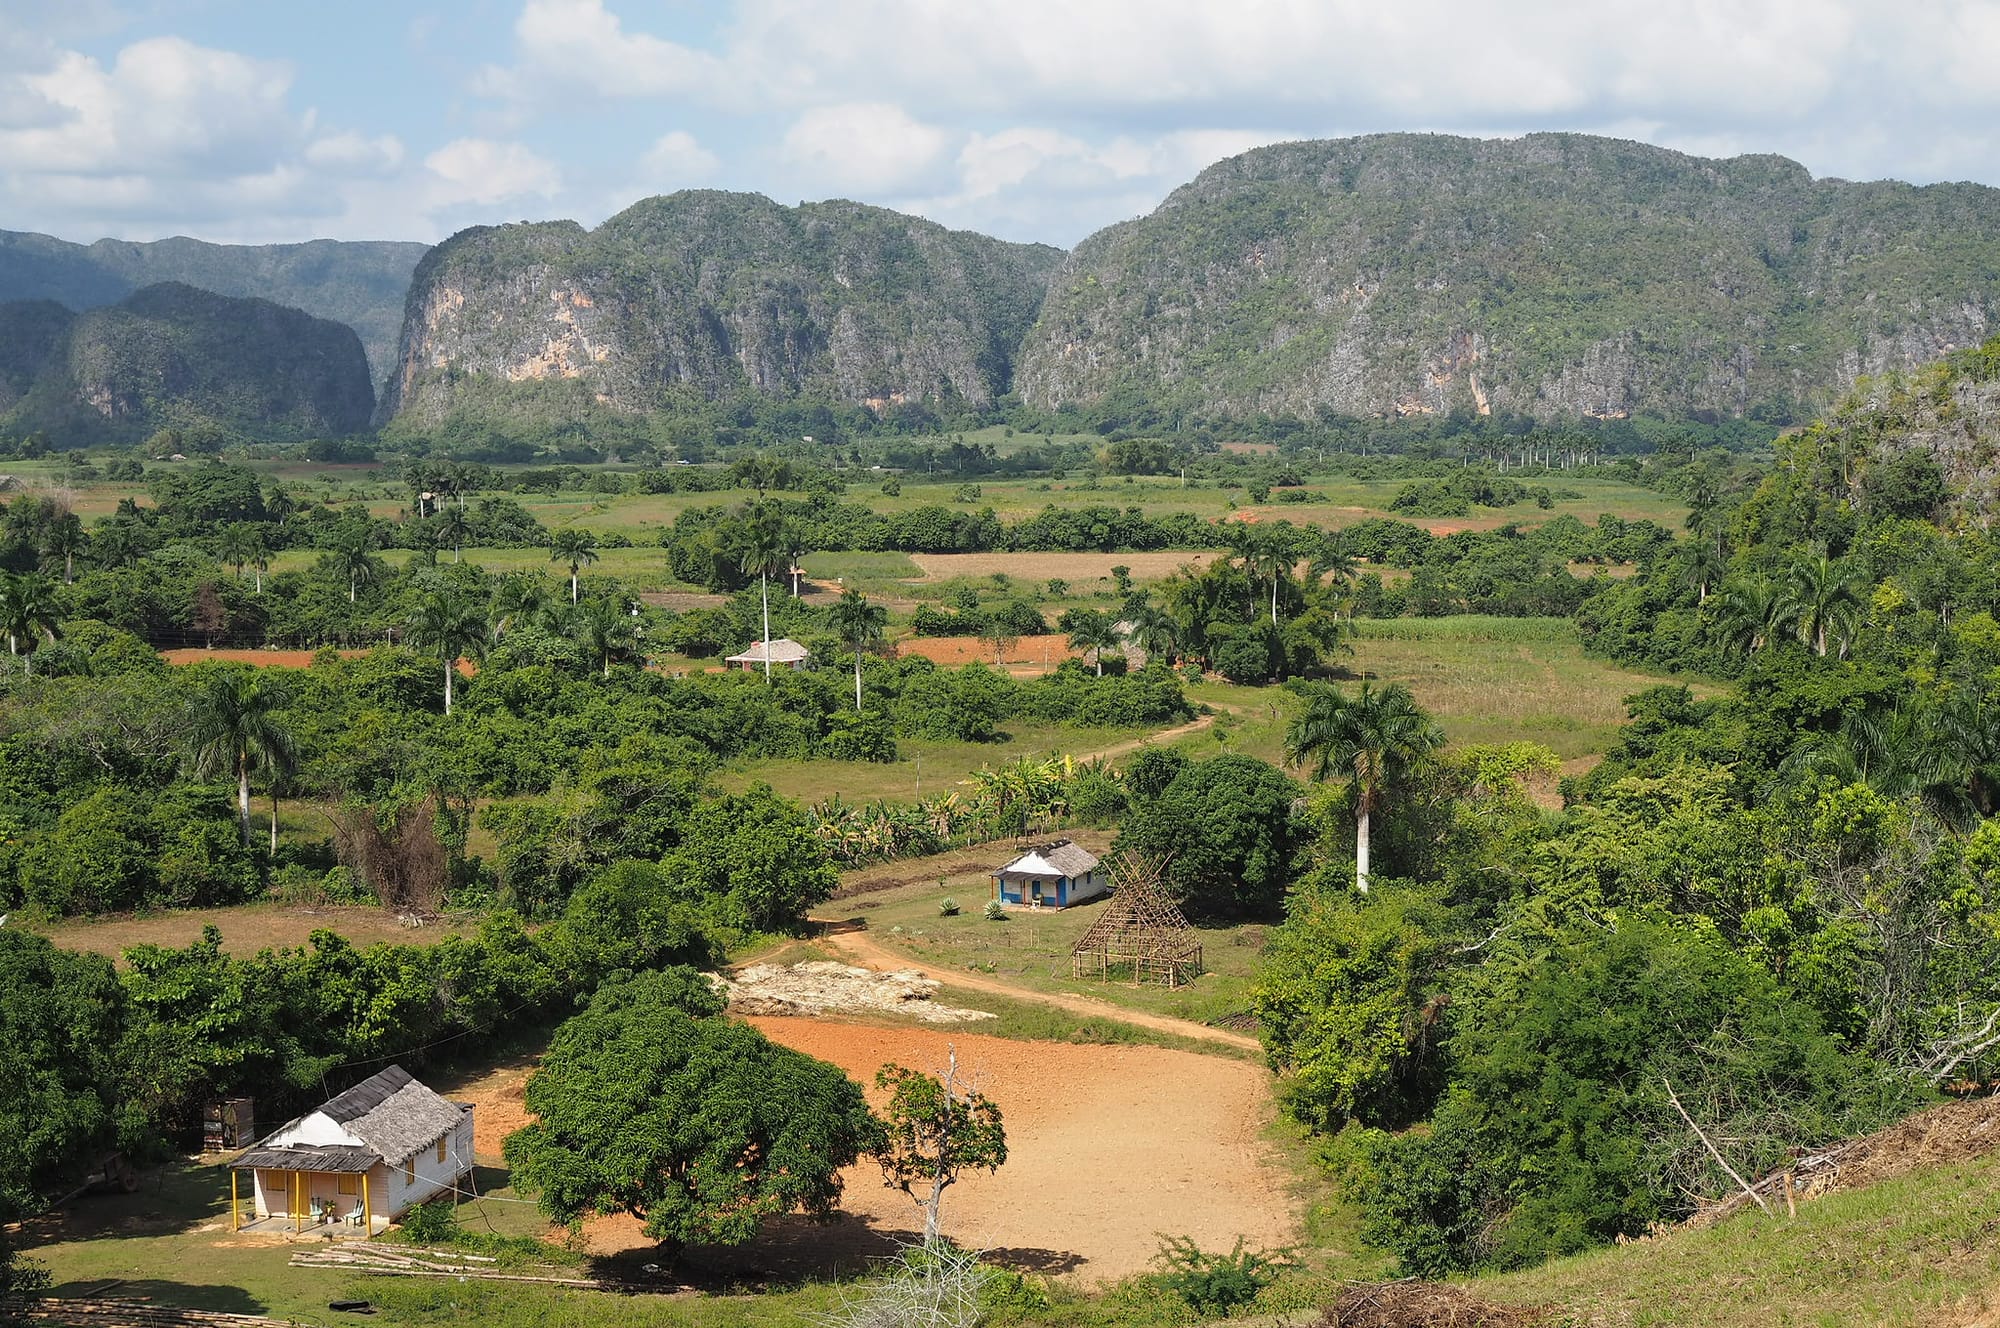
(711, 294)
(361, 284)
(173, 356)
(1551, 275)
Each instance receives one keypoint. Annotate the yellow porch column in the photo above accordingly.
(235, 1208)
(367, 1213)
(297, 1186)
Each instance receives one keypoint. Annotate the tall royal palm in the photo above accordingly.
(1266, 554)
(352, 556)
(450, 628)
(28, 613)
(1370, 737)
(453, 527)
(65, 539)
(1745, 610)
(863, 626)
(1095, 632)
(762, 550)
(234, 728)
(1821, 600)
(238, 546)
(607, 633)
(578, 548)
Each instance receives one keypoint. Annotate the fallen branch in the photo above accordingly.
(1713, 1151)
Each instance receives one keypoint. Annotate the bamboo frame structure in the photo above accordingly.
(1141, 928)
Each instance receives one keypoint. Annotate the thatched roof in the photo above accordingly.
(389, 1116)
(1062, 858)
(784, 650)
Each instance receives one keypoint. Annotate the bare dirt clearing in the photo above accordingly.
(1107, 1147)
(246, 929)
(818, 987)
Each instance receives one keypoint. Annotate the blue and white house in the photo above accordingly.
(1050, 876)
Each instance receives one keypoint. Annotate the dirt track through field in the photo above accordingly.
(870, 953)
(1108, 1146)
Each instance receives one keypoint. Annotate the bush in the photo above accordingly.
(1212, 1285)
(948, 907)
(433, 1223)
(993, 912)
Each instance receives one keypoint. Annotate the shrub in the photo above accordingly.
(1215, 1284)
(993, 912)
(433, 1223)
(948, 907)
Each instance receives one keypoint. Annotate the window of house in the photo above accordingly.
(410, 1170)
(441, 1139)
(348, 1184)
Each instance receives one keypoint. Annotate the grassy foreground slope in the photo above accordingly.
(1920, 1249)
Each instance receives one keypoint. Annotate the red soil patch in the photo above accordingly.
(1107, 1147)
(275, 659)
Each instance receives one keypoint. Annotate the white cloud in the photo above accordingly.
(484, 171)
(675, 161)
(569, 47)
(349, 153)
(861, 147)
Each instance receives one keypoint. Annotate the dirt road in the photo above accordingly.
(864, 950)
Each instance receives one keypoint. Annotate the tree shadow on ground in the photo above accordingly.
(181, 1196)
(154, 1292)
(793, 1250)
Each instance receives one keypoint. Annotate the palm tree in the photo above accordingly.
(1746, 611)
(865, 625)
(233, 727)
(116, 544)
(65, 540)
(352, 555)
(578, 548)
(519, 600)
(452, 528)
(451, 627)
(28, 613)
(1155, 631)
(761, 549)
(1266, 554)
(238, 545)
(605, 631)
(1371, 737)
(1821, 600)
(1095, 632)
(260, 563)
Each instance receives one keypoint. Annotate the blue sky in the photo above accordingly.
(1029, 119)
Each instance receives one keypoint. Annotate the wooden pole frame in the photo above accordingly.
(235, 1204)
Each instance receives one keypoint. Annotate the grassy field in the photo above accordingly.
(1920, 1251)
(1031, 949)
(246, 928)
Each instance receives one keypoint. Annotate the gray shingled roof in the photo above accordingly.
(333, 1157)
(390, 1112)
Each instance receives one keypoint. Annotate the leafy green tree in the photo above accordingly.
(753, 857)
(698, 1126)
(234, 728)
(451, 628)
(607, 634)
(937, 1129)
(1371, 737)
(1224, 829)
(60, 1023)
(29, 613)
(238, 545)
(862, 625)
(577, 548)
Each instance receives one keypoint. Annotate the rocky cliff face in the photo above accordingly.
(712, 294)
(362, 284)
(173, 355)
(1550, 275)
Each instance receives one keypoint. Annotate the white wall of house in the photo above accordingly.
(1088, 886)
(427, 1174)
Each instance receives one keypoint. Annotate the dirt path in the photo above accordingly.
(1107, 1147)
(1130, 745)
(864, 950)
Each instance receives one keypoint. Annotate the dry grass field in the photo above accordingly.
(245, 929)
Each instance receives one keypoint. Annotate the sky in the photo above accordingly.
(253, 121)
